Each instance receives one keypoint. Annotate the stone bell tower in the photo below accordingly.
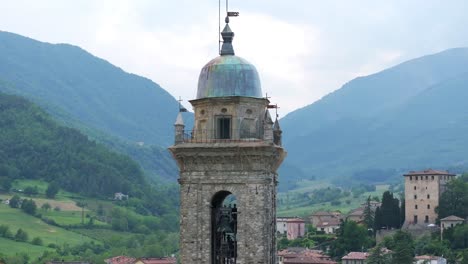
(228, 166)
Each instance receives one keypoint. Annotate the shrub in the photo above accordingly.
(31, 190)
(46, 206)
(52, 245)
(37, 241)
(52, 190)
(21, 235)
(29, 206)
(3, 230)
(57, 208)
(15, 201)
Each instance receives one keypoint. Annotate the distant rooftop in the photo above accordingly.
(452, 218)
(356, 255)
(428, 172)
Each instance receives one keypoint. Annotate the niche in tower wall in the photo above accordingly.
(224, 229)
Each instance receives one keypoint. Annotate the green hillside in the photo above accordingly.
(411, 116)
(33, 146)
(37, 153)
(129, 113)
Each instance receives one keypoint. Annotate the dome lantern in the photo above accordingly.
(228, 75)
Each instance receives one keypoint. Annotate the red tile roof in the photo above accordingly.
(308, 260)
(120, 260)
(356, 255)
(295, 220)
(428, 172)
(158, 260)
(452, 218)
(331, 222)
(426, 257)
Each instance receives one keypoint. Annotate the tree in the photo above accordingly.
(368, 214)
(46, 207)
(402, 211)
(52, 190)
(378, 256)
(390, 211)
(29, 206)
(37, 241)
(6, 183)
(21, 235)
(377, 219)
(15, 201)
(31, 190)
(404, 248)
(454, 201)
(350, 237)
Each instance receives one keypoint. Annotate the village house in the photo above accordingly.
(323, 216)
(355, 258)
(329, 226)
(295, 228)
(304, 256)
(429, 260)
(282, 225)
(118, 196)
(356, 215)
(449, 222)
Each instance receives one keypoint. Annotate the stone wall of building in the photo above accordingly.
(246, 170)
(422, 192)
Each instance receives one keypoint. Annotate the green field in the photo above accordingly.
(105, 235)
(9, 247)
(41, 187)
(307, 210)
(65, 218)
(35, 227)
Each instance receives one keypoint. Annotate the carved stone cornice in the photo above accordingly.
(223, 157)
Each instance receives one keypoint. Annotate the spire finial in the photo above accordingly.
(228, 35)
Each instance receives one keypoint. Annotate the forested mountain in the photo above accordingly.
(33, 146)
(411, 116)
(89, 93)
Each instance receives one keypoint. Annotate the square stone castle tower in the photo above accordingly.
(228, 165)
(422, 193)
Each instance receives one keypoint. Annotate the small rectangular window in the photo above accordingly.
(415, 187)
(427, 219)
(416, 206)
(432, 177)
(415, 197)
(427, 177)
(410, 178)
(428, 196)
(415, 219)
(428, 206)
(223, 128)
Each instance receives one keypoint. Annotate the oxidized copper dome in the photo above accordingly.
(229, 75)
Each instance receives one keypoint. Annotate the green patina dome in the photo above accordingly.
(229, 75)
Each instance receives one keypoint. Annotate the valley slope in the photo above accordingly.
(130, 113)
(411, 116)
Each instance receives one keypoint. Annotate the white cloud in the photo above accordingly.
(302, 50)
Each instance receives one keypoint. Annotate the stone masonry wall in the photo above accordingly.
(246, 170)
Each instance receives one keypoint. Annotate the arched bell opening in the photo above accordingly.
(224, 228)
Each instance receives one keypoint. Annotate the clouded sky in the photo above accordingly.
(303, 49)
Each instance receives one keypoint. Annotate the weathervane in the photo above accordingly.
(228, 14)
(181, 107)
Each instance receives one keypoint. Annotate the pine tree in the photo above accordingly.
(377, 219)
(368, 214)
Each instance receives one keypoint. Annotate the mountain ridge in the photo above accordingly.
(380, 129)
